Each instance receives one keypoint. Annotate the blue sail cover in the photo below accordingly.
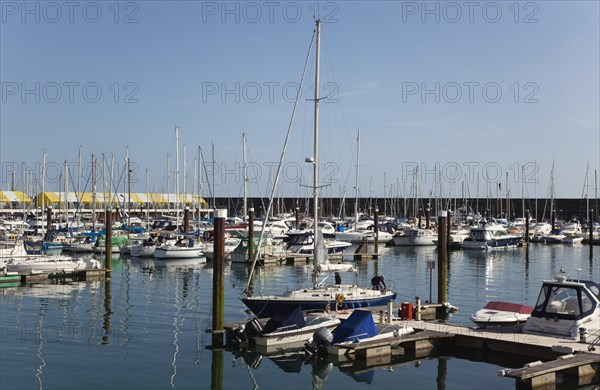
(358, 326)
(286, 318)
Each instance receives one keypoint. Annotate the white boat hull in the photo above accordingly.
(53, 264)
(175, 252)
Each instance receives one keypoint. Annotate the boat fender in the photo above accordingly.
(339, 299)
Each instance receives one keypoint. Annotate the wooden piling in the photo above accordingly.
(218, 318)
(48, 220)
(251, 234)
(448, 226)
(108, 241)
(442, 255)
(186, 219)
(427, 216)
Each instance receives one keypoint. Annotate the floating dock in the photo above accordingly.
(78, 275)
(551, 357)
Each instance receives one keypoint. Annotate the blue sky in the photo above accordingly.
(475, 93)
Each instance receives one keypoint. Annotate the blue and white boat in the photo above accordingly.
(489, 236)
(358, 328)
(320, 296)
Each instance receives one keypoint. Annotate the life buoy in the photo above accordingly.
(339, 299)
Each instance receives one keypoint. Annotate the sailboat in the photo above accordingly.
(320, 296)
(183, 246)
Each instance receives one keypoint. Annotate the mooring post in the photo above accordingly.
(297, 215)
(218, 319)
(186, 219)
(448, 226)
(427, 216)
(418, 308)
(376, 231)
(251, 234)
(442, 255)
(108, 241)
(48, 221)
(390, 311)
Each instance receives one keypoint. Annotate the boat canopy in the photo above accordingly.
(358, 326)
(285, 320)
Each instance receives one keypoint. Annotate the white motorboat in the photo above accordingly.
(182, 248)
(556, 236)
(52, 264)
(496, 313)
(490, 236)
(230, 245)
(145, 248)
(572, 240)
(565, 306)
(287, 328)
(359, 328)
(304, 244)
(415, 237)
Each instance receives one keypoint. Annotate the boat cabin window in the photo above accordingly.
(562, 301)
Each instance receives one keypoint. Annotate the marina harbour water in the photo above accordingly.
(145, 328)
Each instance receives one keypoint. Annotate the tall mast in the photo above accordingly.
(356, 179)
(43, 177)
(199, 182)
(93, 193)
(316, 143)
(213, 178)
(66, 188)
(184, 175)
(177, 173)
(245, 178)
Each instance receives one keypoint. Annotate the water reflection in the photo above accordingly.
(107, 312)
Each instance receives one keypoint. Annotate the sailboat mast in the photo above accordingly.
(43, 177)
(356, 179)
(177, 173)
(316, 144)
(245, 178)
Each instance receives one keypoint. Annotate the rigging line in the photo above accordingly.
(287, 136)
(206, 174)
(348, 138)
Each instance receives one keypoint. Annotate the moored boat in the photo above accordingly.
(358, 329)
(565, 306)
(496, 313)
(287, 328)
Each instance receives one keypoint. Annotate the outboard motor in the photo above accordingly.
(248, 332)
(322, 338)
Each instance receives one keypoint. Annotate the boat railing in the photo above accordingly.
(285, 328)
(357, 337)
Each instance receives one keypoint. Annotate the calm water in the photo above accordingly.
(146, 329)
